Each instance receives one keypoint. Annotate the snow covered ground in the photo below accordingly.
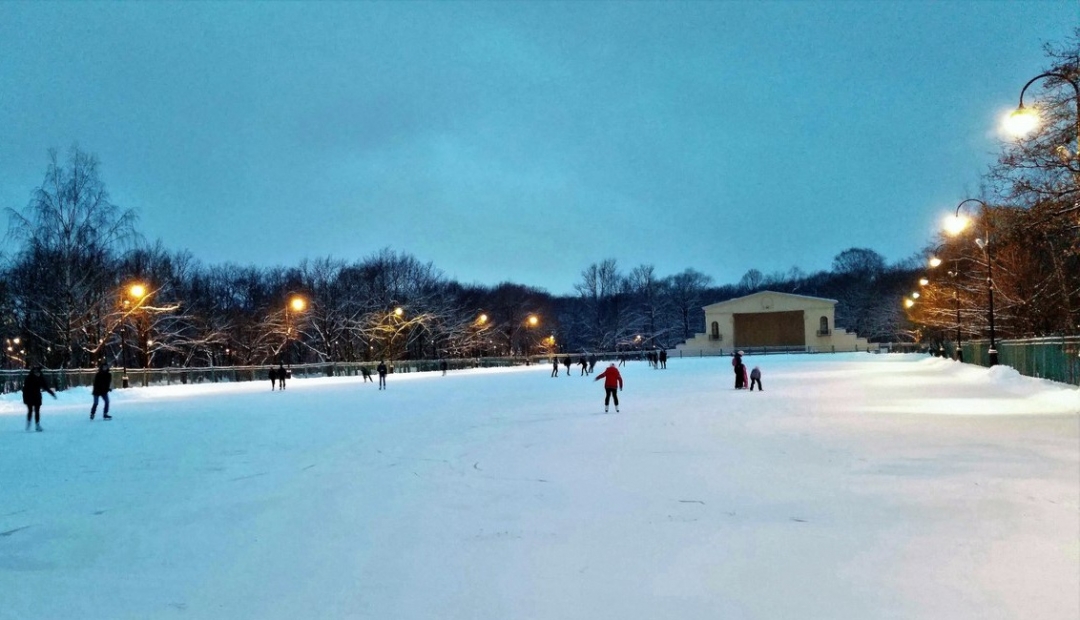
(856, 486)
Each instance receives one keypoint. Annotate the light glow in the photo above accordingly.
(935, 261)
(298, 304)
(955, 224)
(1021, 122)
(137, 291)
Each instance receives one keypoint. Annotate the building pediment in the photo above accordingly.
(769, 301)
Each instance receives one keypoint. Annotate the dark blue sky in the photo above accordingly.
(524, 141)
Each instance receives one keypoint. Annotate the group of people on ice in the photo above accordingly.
(35, 385)
(741, 376)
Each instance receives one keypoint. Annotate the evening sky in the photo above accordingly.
(524, 141)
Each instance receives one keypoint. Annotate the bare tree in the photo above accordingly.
(66, 271)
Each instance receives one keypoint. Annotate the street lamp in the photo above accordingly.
(530, 324)
(935, 261)
(958, 224)
(138, 293)
(1023, 120)
(297, 304)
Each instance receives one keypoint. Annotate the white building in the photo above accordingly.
(772, 320)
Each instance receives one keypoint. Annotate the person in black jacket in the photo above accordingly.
(273, 378)
(102, 385)
(33, 386)
(282, 374)
(381, 368)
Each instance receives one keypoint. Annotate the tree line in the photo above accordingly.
(80, 286)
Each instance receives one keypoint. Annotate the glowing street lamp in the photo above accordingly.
(935, 261)
(986, 247)
(1023, 120)
(296, 303)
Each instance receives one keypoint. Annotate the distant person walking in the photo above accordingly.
(282, 374)
(443, 365)
(381, 369)
(740, 370)
(34, 384)
(102, 386)
(663, 358)
(273, 378)
(755, 378)
(612, 385)
(554, 366)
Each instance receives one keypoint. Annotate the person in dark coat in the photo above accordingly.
(584, 361)
(740, 370)
(273, 378)
(443, 366)
(381, 368)
(281, 375)
(567, 362)
(663, 358)
(367, 374)
(102, 385)
(34, 384)
(554, 366)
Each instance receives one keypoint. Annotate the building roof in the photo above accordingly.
(739, 300)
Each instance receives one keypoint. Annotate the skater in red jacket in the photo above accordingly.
(612, 385)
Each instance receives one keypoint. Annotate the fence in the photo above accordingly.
(1056, 358)
(11, 380)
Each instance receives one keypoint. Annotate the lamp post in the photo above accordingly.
(956, 225)
(138, 293)
(530, 324)
(297, 304)
(935, 261)
(1023, 120)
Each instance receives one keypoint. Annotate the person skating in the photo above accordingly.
(34, 384)
(381, 369)
(366, 373)
(584, 365)
(102, 386)
(554, 366)
(443, 366)
(281, 375)
(755, 378)
(663, 358)
(612, 385)
(567, 362)
(273, 378)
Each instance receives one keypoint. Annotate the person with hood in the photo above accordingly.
(612, 385)
(34, 384)
(102, 385)
(740, 370)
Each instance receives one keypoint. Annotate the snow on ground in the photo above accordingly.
(856, 486)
